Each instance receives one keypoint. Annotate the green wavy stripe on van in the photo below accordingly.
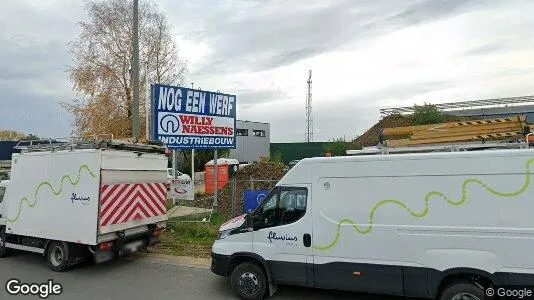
(54, 191)
(364, 230)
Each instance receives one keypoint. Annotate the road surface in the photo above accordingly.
(135, 278)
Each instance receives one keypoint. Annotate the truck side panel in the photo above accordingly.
(132, 192)
(54, 196)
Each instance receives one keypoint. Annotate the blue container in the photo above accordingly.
(253, 198)
(7, 149)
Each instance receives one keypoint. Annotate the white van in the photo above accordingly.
(420, 225)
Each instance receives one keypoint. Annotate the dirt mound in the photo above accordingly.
(370, 137)
(264, 175)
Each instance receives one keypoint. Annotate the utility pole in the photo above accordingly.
(148, 106)
(309, 116)
(135, 67)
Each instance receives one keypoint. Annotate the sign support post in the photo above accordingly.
(174, 168)
(193, 167)
(215, 192)
(233, 195)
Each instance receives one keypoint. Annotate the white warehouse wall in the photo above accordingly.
(251, 148)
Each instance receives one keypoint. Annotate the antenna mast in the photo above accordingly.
(309, 117)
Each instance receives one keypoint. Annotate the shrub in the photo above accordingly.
(427, 114)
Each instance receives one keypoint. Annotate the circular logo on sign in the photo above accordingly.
(180, 191)
(169, 124)
(260, 197)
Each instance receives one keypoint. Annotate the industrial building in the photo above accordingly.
(253, 140)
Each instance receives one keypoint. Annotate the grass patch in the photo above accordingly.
(170, 204)
(190, 239)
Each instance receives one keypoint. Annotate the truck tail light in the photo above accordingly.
(106, 246)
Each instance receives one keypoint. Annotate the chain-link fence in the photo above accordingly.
(235, 197)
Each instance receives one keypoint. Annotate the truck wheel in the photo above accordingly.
(57, 256)
(3, 250)
(463, 290)
(249, 281)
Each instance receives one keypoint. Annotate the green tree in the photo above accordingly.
(30, 137)
(277, 158)
(427, 114)
(337, 147)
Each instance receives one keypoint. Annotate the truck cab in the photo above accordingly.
(3, 189)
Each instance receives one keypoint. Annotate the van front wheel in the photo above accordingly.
(463, 291)
(249, 281)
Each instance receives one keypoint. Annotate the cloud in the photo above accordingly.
(365, 55)
(33, 60)
(258, 36)
(30, 112)
(249, 98)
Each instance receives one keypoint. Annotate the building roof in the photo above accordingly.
(252, 122)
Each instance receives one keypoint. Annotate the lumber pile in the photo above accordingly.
(503, 129)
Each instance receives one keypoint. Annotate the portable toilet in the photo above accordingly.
(226, 169)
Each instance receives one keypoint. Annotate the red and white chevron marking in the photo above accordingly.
(120, 203)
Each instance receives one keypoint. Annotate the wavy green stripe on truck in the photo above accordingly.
(364, 230)
(49, 185)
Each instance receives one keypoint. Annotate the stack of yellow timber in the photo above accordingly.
(457, 132)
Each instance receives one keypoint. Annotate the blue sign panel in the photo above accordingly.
(253, 199)
(193, 119)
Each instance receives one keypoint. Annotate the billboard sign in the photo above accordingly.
(193, 119)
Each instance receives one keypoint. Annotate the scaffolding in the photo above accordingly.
(58, 144)
(497, 102)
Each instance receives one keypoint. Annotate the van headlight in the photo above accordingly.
(223, 234)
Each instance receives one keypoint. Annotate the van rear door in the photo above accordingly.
(132, 191)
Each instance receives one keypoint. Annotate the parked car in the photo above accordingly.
(292, 163)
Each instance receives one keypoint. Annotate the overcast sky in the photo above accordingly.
(364, 54)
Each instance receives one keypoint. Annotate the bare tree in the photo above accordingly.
(11, 135)
(101, 73)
